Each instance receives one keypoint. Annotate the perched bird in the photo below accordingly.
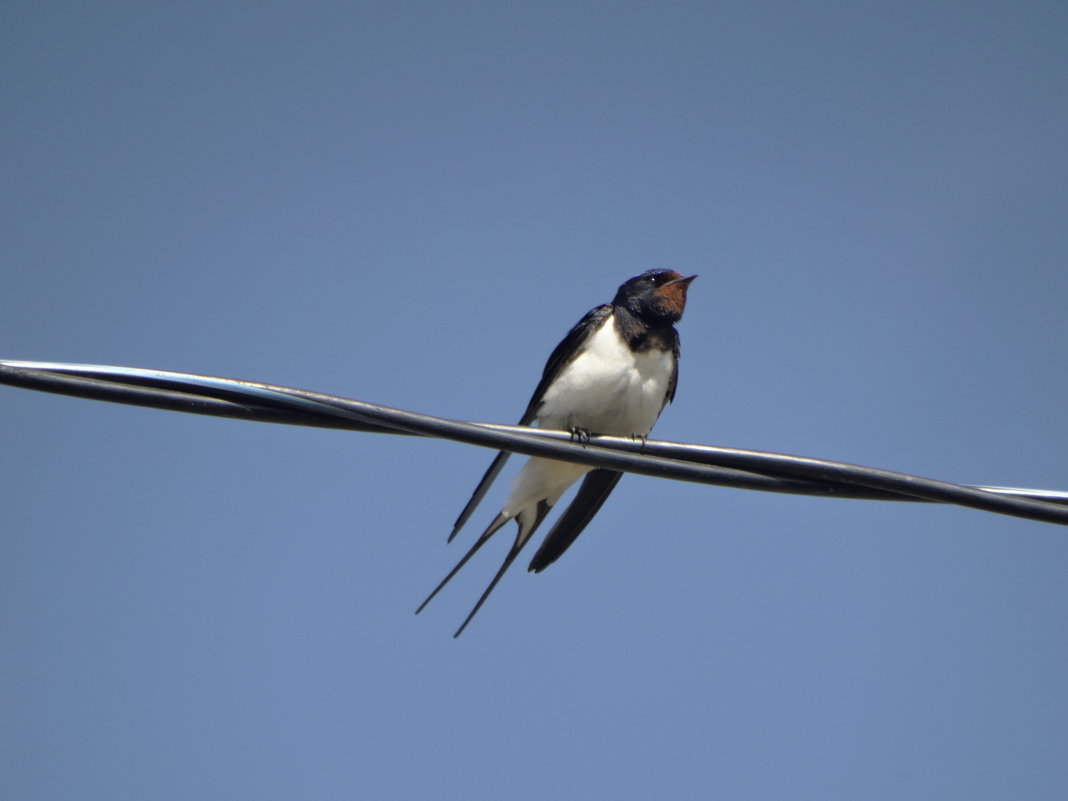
(612, 374)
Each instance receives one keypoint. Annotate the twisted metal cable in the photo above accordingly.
(729, 467)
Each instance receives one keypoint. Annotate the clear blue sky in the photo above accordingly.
(410, 203)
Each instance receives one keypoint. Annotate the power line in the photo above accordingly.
(728, 467)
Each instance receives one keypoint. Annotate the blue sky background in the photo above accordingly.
(410, 203)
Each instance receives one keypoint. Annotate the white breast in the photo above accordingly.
(608, 388)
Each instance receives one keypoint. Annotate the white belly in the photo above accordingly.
(608, 388)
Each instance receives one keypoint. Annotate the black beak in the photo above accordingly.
(685, 280)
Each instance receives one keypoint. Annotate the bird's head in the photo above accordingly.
(655, 296)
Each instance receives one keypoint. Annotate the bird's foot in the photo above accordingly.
(642, 437)
(580, 435)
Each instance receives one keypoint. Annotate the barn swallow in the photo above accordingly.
(612, 374)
